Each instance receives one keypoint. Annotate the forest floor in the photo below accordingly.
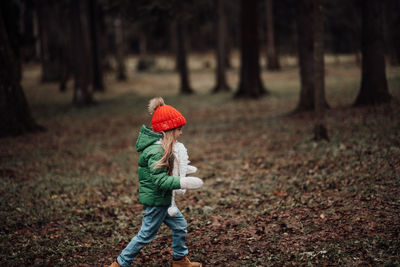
(272, 196)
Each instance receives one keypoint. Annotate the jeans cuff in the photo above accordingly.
(178, 257)
(121, 262)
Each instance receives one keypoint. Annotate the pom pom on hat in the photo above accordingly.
(165, 117)
(155, 103)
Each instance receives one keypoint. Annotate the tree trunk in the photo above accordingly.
(305, 54)
(272, 57)
(173, 44)
(27, 31)
(320, 131)
(231, 28)
(222, 85)
(250, 85)
(181, 58)
(15, 117)
(49, 31)
(142, 43)
(119, 49)
(305, 42)
(97, 71)
(392, 19)
(11, 12)
(374, 88)
(36, 32)
(81, 60)
(228, 61)
(67, 52)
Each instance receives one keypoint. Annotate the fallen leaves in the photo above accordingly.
(271, 197)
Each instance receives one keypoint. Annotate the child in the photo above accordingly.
(156, 184)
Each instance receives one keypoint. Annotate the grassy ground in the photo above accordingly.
(272, 196)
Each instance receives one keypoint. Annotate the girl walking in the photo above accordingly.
(156, 183)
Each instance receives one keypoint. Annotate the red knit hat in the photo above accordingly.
(165, 117)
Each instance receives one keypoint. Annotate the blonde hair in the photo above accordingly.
(167, 143)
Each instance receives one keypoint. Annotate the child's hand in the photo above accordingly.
(191, 182)
(191, 169)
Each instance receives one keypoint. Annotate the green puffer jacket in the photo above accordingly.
(155, 188)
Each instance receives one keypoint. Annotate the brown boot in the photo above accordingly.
(185, 262)
(115, 264)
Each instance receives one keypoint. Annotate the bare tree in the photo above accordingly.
(49, 14)
(67, 53)
(97, 70)
(305, 36)
(392, 22)
(15, 116)
(119, 49)
(272, 56)
(305, 54)
(80, 43)
(28, 31)
(320, 131)
(250, 80)
(182, 57)
(374, 87)
(222, 85)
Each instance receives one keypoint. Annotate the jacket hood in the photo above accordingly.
(146, 138)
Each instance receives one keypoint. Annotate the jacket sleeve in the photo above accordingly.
(160, 177)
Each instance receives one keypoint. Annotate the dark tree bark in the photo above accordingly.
(228, 37)
(305, 54)
(173, 45)
(228, 62)
(27, 32)
(320, 131)
(36, 32)
(250, 85)
(272, 56)
(15, 117)
(119, 49)
(81, 60)
(222, 85)
(67, 53)
(374, 87)
(142, 43)
(50, 34)
(11, 12)
(393, 30)
(97, 71)
(305, 36)
(181, 58)
(145, 61)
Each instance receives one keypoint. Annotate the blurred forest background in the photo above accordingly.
(293, 122)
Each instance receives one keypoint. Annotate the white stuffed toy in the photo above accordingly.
(181, 169)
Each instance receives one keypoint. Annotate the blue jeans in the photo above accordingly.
(151, 222)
